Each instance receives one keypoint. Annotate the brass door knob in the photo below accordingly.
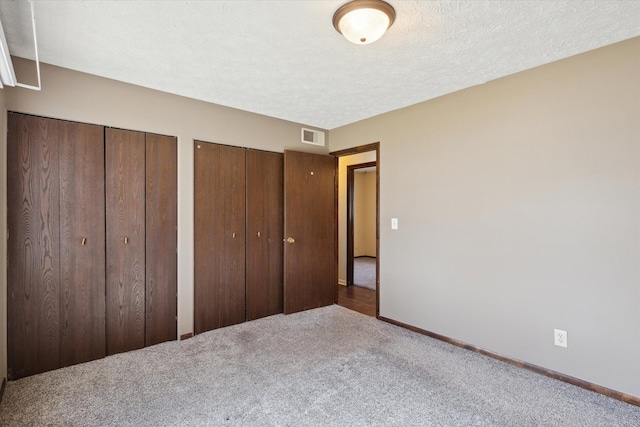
(290, 240)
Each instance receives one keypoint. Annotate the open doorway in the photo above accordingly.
(357, 165)
(361, 225)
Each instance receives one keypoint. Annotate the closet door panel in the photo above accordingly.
(82, 243)
(161, 239)
(265, 221)
(219, 236)
(33, 276)
(125, 237)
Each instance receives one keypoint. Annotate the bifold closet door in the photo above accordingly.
(161, 239)
(265, 222)
(82, 243)
(219, 288)
(85, 277)
(33, 247)
(125, 239)
(55, 294)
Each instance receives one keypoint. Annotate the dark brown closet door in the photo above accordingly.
(265, 221)
(310, 259)
(219, 289)
(125, 210)
(82, 243)
(33, 276)
(162, 238)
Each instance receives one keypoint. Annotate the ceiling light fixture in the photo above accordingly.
(364, 21)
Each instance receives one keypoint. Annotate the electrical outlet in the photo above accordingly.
(560, 338)
(394, 223)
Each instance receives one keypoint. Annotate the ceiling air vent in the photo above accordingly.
(314, 137)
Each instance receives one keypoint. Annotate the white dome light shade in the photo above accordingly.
(364, 26)
(364, 21)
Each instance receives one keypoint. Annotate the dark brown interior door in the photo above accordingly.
(310, 257)
(125, 214)
(82, 243)
(33, 276)
(265, 221)
(219, 288)
(161, 239)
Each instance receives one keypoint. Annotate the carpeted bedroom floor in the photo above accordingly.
(323, 367)
(364, 272)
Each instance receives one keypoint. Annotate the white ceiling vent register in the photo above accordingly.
(314, 137)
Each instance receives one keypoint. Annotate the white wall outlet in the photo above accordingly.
(394, 223)
(560, 338)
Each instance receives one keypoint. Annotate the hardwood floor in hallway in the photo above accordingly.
(357, 298)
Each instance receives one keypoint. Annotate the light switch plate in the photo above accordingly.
(394, 223)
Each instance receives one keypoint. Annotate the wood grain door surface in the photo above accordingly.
(310, 260)
(219, 288)
(33, 271)
(85, 277)
(265, 222)
(56, 247)
(125, 239)
(82, 243)
(161, 239)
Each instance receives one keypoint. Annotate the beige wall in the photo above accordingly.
(364, 215)
(3, 237)
(343, 162)
(519, 212)
(85, 98)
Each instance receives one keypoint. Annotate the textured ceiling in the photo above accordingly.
(284, 59)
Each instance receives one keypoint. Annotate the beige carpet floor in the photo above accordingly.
(324, 367)
(364, 272)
